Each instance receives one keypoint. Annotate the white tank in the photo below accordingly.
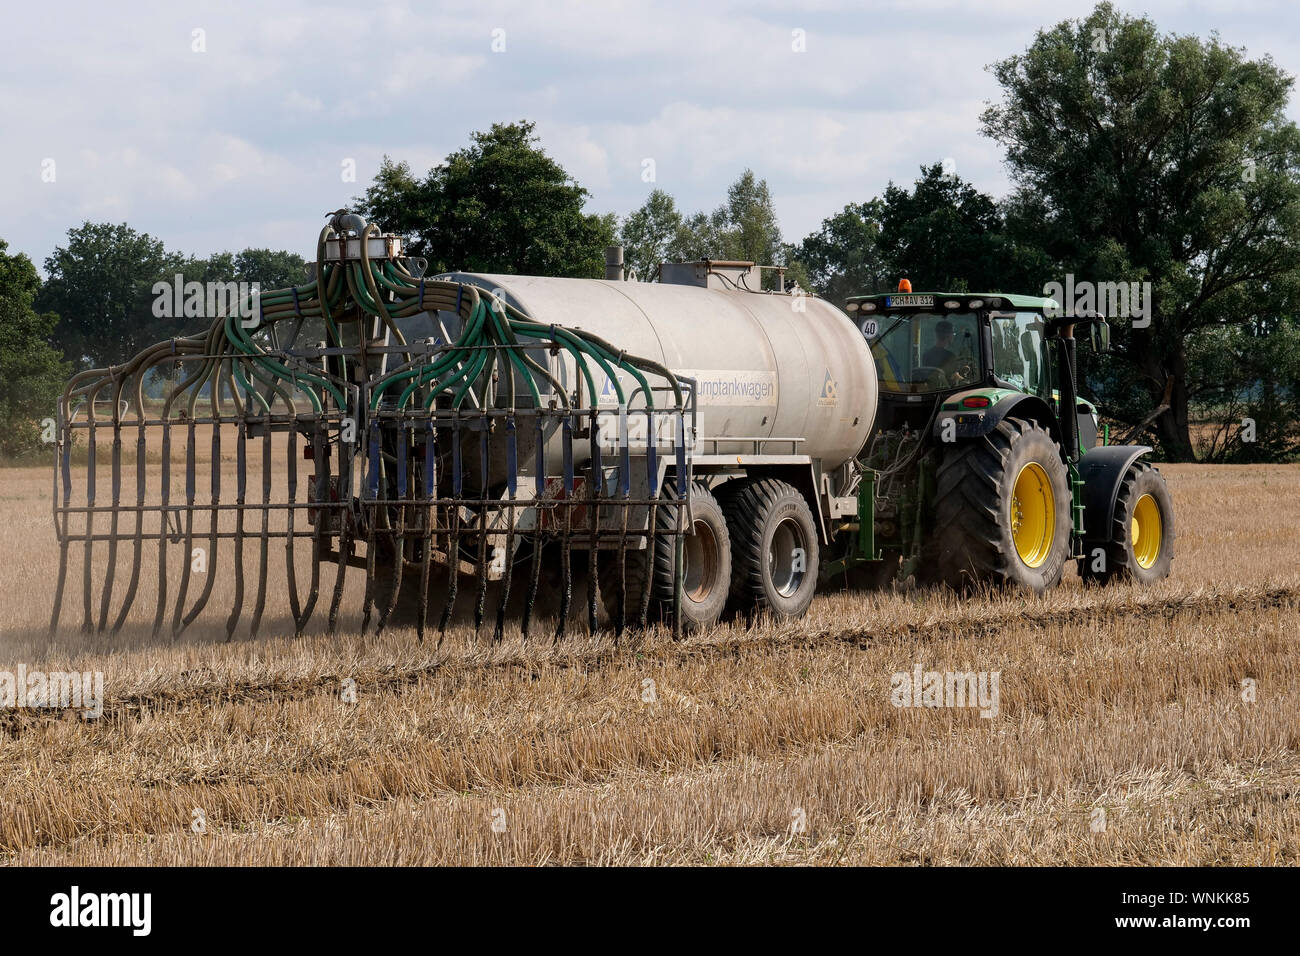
(768, 365)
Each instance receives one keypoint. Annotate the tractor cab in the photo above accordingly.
(929, 347)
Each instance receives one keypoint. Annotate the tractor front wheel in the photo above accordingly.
(1002, 510)
(1141, 545)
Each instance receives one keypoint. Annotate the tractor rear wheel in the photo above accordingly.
(774, 561)
(1141, 545)
(706, 568)
(1002, 514)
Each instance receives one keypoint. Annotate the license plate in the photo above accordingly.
(901, 301)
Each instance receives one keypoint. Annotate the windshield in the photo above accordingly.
(923, 351)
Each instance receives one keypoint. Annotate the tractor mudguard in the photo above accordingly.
(974, 422)
(1102, 470)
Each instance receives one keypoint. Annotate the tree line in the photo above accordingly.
(1135, 157)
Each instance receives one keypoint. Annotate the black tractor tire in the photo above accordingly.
(1129, 555)
(769, 522)
(978, 516)
(706, 571)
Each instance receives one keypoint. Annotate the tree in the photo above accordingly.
(32, 372)
(744, 228)
(701, 236)
(648, 235)
(500, 205)
(843, 258)
(945, 235)
(749, 228)
(100, 284)
(1250, 378)
(270, 268)
(18, 278)
(1157, 158)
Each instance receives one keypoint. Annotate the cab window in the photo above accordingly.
(1019, 356)
(924, 351)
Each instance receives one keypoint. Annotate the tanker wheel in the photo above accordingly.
(1141, 545)
(774, 561)
(1002, 510)
(706, 568)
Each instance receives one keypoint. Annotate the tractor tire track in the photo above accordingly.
(731, 644)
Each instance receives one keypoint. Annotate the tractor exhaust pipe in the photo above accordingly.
(614, 263)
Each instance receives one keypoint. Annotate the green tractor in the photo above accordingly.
(985, 465)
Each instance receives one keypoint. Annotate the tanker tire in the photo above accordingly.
(1118, 560)
(705, 580)
(973, 509)
(768, 521)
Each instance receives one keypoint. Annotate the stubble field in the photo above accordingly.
(1123, 734)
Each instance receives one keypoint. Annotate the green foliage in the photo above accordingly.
(944, 235)
(18, 277)
(500, 205)
(743, 228)
(746, 222)
(702, 236)
(31, 370)
(843, 258)
(1158, 158)
(648, 235)
(100, 285)
(1249, 378)
(272, 268)
(269, 268)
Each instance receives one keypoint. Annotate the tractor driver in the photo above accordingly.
(940, 355)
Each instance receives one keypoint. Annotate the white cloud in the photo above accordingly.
(301, 103)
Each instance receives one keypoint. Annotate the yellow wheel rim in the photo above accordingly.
(1033, 515)
(1146, 531)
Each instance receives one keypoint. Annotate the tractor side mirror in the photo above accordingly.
(1099, 335)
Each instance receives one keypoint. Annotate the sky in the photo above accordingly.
(223, 125)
